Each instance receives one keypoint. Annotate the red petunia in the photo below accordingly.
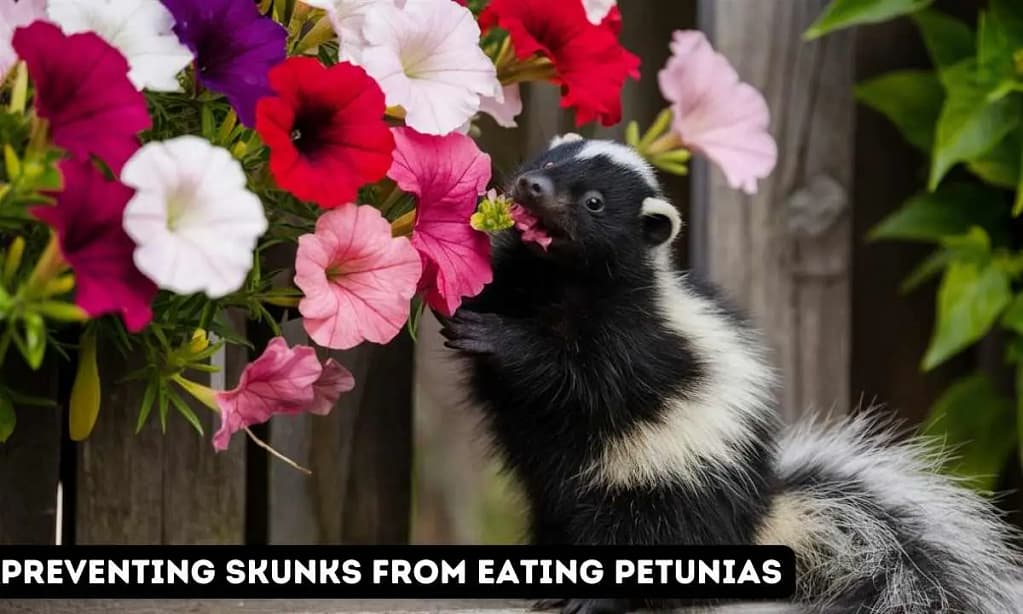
(325, 129)
(590, 64)
(82, 88)
(87, 220)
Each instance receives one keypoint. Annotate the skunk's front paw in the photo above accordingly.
(472, 332)
(595, 606)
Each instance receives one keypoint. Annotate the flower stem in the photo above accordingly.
(259, 442)
(663, 144)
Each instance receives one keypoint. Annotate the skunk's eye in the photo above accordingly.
(548, 164)
(594, 201)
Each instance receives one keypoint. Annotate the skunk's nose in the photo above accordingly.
(534, 187)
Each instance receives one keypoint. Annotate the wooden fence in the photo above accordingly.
(793, 256)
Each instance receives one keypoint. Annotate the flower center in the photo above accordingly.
(177, 206)
(307, 130)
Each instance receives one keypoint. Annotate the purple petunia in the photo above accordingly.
(234, 46)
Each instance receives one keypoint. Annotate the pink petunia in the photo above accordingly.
(357, 278)
(13, 15)
(282, 380)
(87, 220)
(82, 88)
(447, 174)
(716, 114)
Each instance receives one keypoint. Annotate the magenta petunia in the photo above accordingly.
(447, 174)
(82, 89)
(715, 113)
(282, 380)
(235, 47)
(357, 278)
(87, 220)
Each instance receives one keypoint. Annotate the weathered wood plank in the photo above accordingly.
(30, 460)
(154, 488)
(360, 455)
(784, 254)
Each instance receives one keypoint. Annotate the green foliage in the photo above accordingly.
(846, 13)
(7, 417)
(965, 114)
(979, 441)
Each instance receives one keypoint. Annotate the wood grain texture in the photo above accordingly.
(784, 254)
(360, 455)
(154, 488)
(30, 460)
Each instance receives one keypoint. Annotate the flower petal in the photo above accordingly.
(334, 381)
(13, 15)
(447, 174)
(357, 278)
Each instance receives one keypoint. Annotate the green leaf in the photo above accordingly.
(147, 404)
(1009, 14)
(846, 13)
(951, 210)
(1001, 165)
(32, 342)
(7, 417)
(185, 411)
(969, 125)
(910, 99)
(948, 40)
(1013, 316)
(977, 423)
(930, 267)
(994, 56)
(970, 299)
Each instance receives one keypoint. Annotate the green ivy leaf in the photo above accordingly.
(970, 299)
(910, 99)
(928, 268)
(1009, 14)
(970, 125)
(1013, 316)
(1001, 165)
(7, 417)
(948, 40)
(978, 424)
(846, 13)
(951, 210)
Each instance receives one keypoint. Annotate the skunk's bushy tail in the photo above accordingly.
(876, 528)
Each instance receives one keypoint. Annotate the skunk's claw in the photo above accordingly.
(472, 332)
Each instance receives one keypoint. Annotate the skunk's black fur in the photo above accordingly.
(635, 409)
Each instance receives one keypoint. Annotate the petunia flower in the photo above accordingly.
(427, 59)
(357, 278)
(598, 10)
(504, 106)
(13, 15)
(282, 380)
(87, 220)
(82, 89)
(139, 29)
(325, 129)
(447, 174)
(234, 47)
(716, 114)
(195, 223)
(588, 61)
(348, 17)
(529, 225)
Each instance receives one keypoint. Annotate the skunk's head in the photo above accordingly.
(598, 200)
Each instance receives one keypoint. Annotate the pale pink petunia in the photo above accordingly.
(447, 174)
(357, 278)
(504, 106)
(530, 227)
(282, 380)
(716, 114)
(13, 15)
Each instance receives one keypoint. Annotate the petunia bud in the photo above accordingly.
(85, 392)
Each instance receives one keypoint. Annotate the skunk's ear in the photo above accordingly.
(561, 139)
(661, 221)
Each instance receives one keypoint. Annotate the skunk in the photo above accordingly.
(636, 408)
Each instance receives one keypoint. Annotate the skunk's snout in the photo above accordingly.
(534, 189)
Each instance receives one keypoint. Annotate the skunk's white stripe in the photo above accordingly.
(716, 418)
(621, 155)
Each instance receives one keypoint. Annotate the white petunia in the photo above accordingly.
(597, 10)
(140, 29)
(14, 15)
(348, 17)
(504, 107)
(427, 59)
(193, 220)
